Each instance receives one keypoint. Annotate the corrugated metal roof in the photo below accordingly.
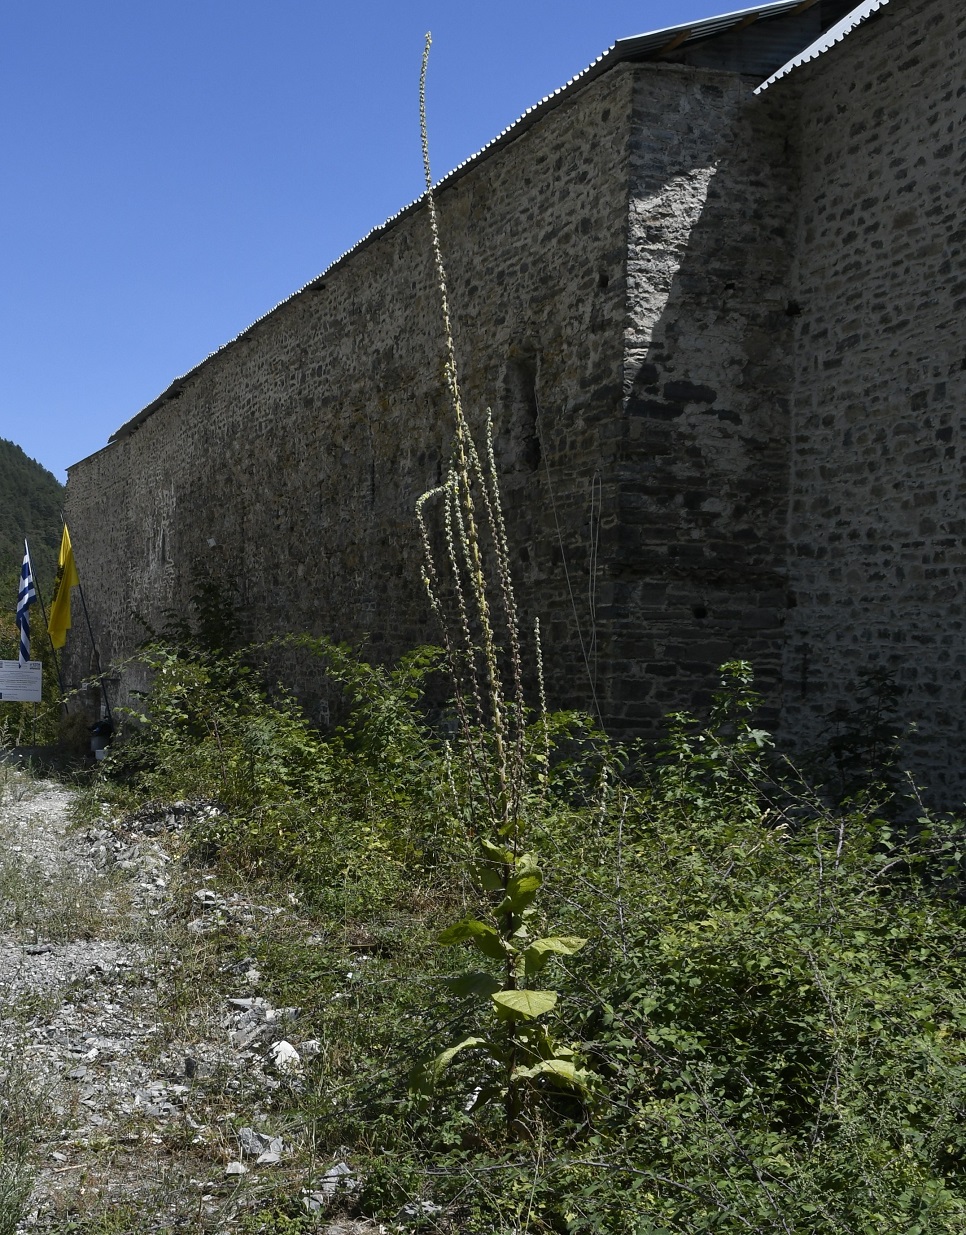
(834, 34)
(672, 37)
(654, 45)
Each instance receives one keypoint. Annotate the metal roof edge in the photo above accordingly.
(112, 441)
(634, 47)
(510, 133)
(833, 35)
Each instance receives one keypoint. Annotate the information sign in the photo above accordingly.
(21, 683)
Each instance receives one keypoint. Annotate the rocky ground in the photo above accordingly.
(139, 1085)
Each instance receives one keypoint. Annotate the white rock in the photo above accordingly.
(254, 1004)
(339, 1176)
(242, 1038)
(209, 899)
(285, 1056)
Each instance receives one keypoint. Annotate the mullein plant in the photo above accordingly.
(506, 758)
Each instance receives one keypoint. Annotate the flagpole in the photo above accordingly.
(97, 655)
(27, 593)
(53, 650)
(60, 610)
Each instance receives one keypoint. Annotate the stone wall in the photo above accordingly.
(698, 572)
(721, 335)
(877, 520)
(616, 305)
(292, 459)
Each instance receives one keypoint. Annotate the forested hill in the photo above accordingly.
(31, 502)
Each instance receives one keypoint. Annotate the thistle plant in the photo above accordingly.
(482, 643)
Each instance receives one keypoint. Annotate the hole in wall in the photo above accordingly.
(518, 439)
(700, 612)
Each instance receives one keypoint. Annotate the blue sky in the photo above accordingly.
(172, 171)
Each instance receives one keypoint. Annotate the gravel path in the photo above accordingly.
(153, 1102)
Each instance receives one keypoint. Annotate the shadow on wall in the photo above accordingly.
(699, 567)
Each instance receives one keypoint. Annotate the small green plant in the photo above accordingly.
(718, 765)
(860, 752)
(516, 1041)
(279, 1219)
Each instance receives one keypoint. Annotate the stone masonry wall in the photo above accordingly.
(698, 573)
(721, 335)
(617, 275)
(292, 459)
(878, 516)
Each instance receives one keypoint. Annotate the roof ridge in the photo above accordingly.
(827, 40)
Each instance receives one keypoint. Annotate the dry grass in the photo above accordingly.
(45, 895)
(40, 904)
(21, 1114)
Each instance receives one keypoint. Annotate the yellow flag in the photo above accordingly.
(58, 623)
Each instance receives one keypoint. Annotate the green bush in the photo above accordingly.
(369, 798)
(774, 999)
(770, 999)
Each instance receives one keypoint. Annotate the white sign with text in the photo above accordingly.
(21, 683)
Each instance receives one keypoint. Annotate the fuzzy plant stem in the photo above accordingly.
(462, 448)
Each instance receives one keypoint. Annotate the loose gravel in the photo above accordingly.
(152, 1098)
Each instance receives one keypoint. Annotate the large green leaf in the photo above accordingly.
(462, 932)
(491, 873)
(526, 864)
(495, 853)
(563, 1071)
(436, 1067)
(520, 892)
(479, 985)
(523, 1005)
(539, 952)
(489, 876)
(480, 934)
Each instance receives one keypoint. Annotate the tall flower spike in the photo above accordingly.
(465, 456)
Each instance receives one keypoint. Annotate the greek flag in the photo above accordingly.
(25, 597)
